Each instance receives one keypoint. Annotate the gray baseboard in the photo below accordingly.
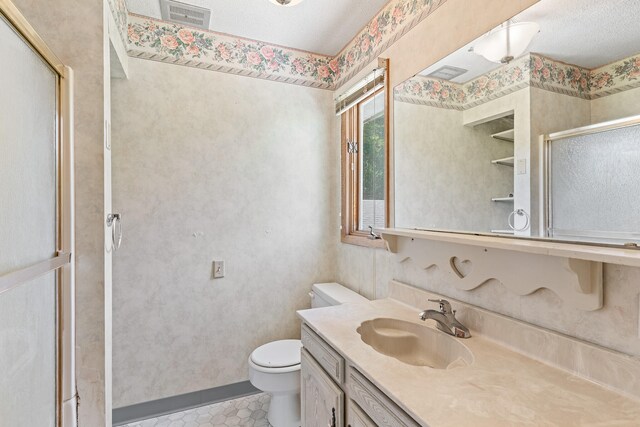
(155, 408)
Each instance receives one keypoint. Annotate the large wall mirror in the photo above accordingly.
(531, 130)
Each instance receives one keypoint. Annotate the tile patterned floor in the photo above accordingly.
(250, 411)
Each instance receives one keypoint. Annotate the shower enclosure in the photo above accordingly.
(37, 385)
(591, 183)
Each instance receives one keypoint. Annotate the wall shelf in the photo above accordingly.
(507, 135)
(572, 270)
(506, 161)
(502, 199)
(589, 252)
(503, 231)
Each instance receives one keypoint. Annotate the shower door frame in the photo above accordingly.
(63, 262)
(546, 201)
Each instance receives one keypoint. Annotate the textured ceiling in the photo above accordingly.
(320, 26)
(589, 33)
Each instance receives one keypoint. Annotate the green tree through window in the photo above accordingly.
(373, 158)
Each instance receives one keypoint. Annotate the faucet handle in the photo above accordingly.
(445, 306)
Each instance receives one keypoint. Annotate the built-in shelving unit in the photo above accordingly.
(507, 135)
(505, 161)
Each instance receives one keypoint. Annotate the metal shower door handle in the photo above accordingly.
(114, 220)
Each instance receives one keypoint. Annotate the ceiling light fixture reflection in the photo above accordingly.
(287, 3)
(506, 42)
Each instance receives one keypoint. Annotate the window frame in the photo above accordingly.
(350, 173)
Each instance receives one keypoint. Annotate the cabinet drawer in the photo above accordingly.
(326, 356)
(356, 416)
(382, 411)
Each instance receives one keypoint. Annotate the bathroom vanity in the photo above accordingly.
(347, 382)
(335, 393)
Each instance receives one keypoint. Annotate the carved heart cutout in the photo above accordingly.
(462, 268)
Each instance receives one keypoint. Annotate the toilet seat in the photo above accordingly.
(277, 356)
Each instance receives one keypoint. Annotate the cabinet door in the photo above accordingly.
(322, 400)
(356, 417)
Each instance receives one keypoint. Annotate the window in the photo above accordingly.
(364, 169)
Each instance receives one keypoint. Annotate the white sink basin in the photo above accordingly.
(415, 344)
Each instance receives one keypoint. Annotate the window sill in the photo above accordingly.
(363, 240)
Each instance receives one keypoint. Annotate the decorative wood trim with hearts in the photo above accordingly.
(578, 282)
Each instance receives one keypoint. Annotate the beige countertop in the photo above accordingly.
(500, 388)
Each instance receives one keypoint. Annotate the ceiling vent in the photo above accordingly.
(185, 14)
(447, 73)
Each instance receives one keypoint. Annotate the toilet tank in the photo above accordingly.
(328, 294)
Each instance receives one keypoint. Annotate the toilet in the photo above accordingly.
(274, 367)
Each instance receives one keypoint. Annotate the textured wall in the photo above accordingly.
(616, 106)
(78, 43)
(213, 166)
(443, 171)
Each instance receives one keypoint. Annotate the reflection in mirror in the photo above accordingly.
(580, 179)
(470, 130)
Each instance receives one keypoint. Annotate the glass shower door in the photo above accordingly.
(34, 266)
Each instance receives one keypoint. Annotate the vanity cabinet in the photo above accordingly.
(322, 401)
(330, 384)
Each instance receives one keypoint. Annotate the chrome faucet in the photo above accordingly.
(446, 319)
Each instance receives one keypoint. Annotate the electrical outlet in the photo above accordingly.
(218, 269)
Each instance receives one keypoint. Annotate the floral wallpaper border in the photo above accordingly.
(556, 76)
(529, 70)
(432, 92)
(616, 77)
(163, 41)
(438, 93)
(497, 83)
(391, 23)
(158, 40)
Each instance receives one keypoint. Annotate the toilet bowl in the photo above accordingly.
(275, 369)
